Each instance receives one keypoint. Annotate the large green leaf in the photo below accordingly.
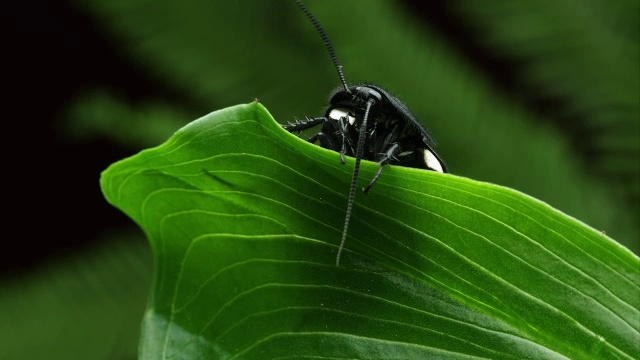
(244, 221)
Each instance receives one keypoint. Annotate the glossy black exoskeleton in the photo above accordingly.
(366, 122)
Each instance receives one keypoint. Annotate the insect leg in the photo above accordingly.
(301, 125)
(344, 123)
(391, 149)
(389, 155)
(327, 140)
(313, 138)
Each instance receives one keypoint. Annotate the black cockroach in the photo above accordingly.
(381, 127)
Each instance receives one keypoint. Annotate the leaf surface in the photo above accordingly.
(244, 221)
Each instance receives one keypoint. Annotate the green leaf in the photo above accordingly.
(244, 221)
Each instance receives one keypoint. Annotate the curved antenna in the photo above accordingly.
(354, 178)
(326, 41)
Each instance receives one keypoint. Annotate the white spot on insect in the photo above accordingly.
(405, 153)
(339, 113)
(432, 161)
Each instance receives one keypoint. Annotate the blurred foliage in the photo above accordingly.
(128, 126)
(565, 130)
(87, 305)
(585, 57)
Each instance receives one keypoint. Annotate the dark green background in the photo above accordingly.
(542, 97)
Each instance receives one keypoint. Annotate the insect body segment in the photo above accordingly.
(366, 122)
(394, 135)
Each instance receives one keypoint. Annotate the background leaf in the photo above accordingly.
(84, 306)
(244, 220)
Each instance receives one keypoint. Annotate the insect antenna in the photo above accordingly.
(354, 179)
(326, 41)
